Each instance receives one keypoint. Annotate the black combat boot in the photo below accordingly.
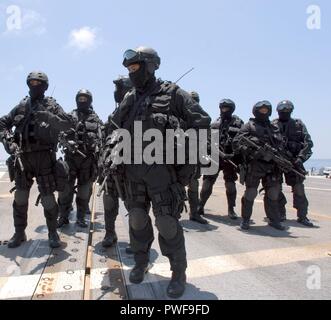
(63, 221)
(81, 223)
(274, 215)
(232, 214)
(81, 219)
(110, 239)
(176, 287)
(277, 225)
(306, 222)
(246, 213)
(137, 274)
(54, 240)
(197, 218)
(245, 224)
(17, 239)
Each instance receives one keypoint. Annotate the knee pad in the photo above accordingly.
(230, 187)
(167, 226)
(251, 194)
(138, 219)
(22, 197)
(48, 202)
(299, 190)
(46, 185)
(273, 193)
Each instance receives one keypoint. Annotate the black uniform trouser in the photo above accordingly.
(39, 165)
(111, 206)
(193, 192)
(84, 171)
(270, 177)
(300, 201)
(230, 177)
(155, 185)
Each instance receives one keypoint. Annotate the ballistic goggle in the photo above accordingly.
(285, 106)
(132, 56)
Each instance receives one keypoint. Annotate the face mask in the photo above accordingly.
(140, 78)
(262, 117)
(37, 92)
(226, 115)
(83, 106)
(284, 116)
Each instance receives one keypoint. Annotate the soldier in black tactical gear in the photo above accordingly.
(299, 146)
(82, 158)
(154, 103)
(259, 165)
(228, 125)
(193, 187)
(37, 121)
(111, 198)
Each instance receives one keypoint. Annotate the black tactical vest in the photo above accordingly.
(88, 132)
(31, 135)
(293, 135)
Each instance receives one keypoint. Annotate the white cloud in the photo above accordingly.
(84, 39)
(32, 21)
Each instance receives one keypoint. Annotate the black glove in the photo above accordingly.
(10, 147)
(298, 163)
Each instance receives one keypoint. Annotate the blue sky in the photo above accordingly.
(246, 50)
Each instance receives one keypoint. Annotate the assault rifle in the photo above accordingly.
(69, 144)
(17, 151)
(283, 164)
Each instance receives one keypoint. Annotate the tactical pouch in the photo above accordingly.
(61, 174)
(179, 197)
(46, 185)
(11, 168)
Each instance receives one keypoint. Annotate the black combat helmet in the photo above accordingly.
(40, 76)
(259, 106)
(195, 96)
(143, 54)
(231, 107)
(227, 103)
(285, 105)
(84, 93)
(285, 110)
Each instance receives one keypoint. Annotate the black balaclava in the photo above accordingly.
(262, 117)
(284, 116)
(85, 106)
(141, 78)
(37, 92)
(228, 114)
